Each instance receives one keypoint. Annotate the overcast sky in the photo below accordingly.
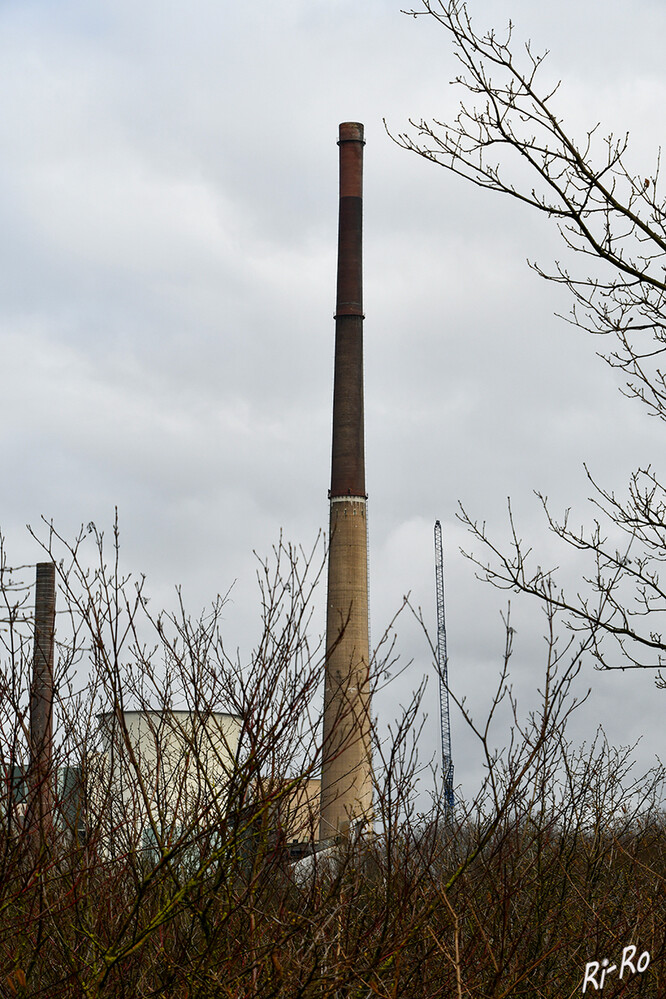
(168, 215)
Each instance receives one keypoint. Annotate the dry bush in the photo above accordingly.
(559, 859)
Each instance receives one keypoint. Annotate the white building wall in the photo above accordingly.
(163, 772)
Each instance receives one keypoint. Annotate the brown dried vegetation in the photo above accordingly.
(558, 861)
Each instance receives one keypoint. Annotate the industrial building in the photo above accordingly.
(160, 770)
(156, 768)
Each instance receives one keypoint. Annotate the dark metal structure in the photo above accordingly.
(443, 671)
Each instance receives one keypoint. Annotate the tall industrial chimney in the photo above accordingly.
(346, 786)
(41, 696)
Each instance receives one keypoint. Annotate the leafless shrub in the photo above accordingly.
(167, 867)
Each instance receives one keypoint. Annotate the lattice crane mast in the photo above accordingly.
(442, 669)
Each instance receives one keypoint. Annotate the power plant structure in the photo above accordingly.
(157, 743)
(346, 781)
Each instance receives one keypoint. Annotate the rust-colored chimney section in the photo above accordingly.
(348, 460)
(346, 787)
(41, 694)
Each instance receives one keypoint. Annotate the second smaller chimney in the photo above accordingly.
(41, 695)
